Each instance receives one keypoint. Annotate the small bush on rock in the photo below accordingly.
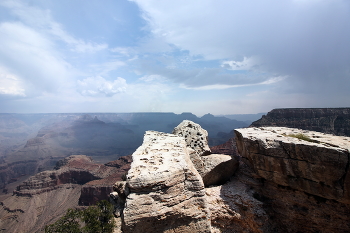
(301, 137)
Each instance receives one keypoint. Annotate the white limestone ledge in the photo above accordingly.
(161, 161)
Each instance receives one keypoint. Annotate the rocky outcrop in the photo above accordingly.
(195, 136)
(234, 207)
(327, 120)
(319, 167)
(165, 191)
(303, 185)
(45, 197)
(164, 188)
(11, 172)
(213, 168)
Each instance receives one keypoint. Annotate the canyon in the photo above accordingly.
(264, 179)
(30, 143)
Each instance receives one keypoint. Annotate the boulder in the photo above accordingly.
(218, 168)
(318, 165)
(214, 169)
(195, 136)
(165, 192)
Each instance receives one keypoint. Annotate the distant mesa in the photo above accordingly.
(327, 120)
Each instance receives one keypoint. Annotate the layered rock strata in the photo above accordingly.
(319, 167)
(227, 148)
(327, 120)
(163, 190)
(45, 197)
(303, 185)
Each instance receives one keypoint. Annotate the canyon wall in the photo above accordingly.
(327, 120)
(46, 196)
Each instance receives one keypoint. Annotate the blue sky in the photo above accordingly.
(219, 57)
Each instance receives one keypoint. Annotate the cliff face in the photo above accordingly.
(15, 171)
(327, 120)
(227, 148)
(45, 197)
(304, 186)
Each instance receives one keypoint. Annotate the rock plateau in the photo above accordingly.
(326, 120)
(303, 185)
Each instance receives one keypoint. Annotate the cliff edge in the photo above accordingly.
(327, 120)
(301, 176)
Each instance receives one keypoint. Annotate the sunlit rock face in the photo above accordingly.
(195, 136)
(165, 193)
(319, 167)
(303, 185)
(213, 168)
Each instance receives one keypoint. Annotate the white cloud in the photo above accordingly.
(42, 20)
(246, 64)
(225, 86)
(10, 84)
(289, 37)
(106, 67)
(126, 51)
(152, 78)
(96, 86)
(32, 57)
(78, 44)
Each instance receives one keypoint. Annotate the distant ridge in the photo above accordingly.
(326, 120)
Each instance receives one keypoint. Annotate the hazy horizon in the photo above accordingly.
(218, 57)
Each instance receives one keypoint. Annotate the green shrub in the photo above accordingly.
(94, 219)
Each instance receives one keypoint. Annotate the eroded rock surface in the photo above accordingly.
(319, 167)
(234, 208)
(214, 169)
(43, 198)
(195, 136)
(165, 192)
(303, 186)
(218, 168)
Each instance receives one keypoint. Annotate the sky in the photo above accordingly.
(199, 56)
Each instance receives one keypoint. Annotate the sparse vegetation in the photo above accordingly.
(124, 176)
(94, 219)
(301, 137)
